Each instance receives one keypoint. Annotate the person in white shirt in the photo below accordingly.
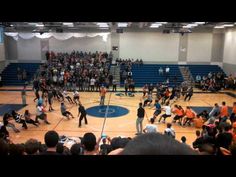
(167, 110)
(40, 114)
(167, 70)
(150, 128)
(65, 94)
(169, 131)
(92, 83)
(160, 71)
(76, 97)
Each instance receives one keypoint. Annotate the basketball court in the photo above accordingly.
(121, 114)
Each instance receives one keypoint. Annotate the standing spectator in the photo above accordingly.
(189, 94)
(150, 128)
(160, 71)
(103, 92)
(167, 71)
(169, 131)
(114, 84)
(19, 74)
(92, 83)
(82, 112)
(140, 117)
(224, 112)
(126, 84)
(233, 114)
(24, 75)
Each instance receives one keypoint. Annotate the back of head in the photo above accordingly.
(51, 138)
(16, 149)
(31, 146)
(156, 144)
(183, 139)
(169, 125)
(89, 141)
(75, 149)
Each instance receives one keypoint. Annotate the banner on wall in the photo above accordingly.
(61, 36)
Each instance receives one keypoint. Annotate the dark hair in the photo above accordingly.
(3, 147)
(223, 103)
(183, 139)
(89, 141)
(140, 104)
(75, 149)
(26, 112)
(198, 133)
(16, 149)
(31, 146)
(152, 120)
(227, 127)
(168, 125)
(156, 144)
(60, 148)
(119, 142)
(51, 138)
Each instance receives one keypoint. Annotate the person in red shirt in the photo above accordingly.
(224, 113)
(189, 115)
(233, 114)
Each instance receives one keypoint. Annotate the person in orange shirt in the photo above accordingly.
(189, 116)
(233, 114)
(234, 132)
(179, 113)
(198, 121)
(224, 113)
(103, 92)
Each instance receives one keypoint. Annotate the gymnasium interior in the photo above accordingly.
(104, 88)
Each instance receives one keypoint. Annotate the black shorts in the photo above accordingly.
(76, 97)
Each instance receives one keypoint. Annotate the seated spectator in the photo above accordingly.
(16, 149)
(156, 144)
(4, 148)
(150, 128)
(32, 147)
(51, 139)
(105, 147)
(76, 149)
(89, 144)
(198, 141)
(183, 139)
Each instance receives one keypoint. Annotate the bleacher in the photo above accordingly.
(9, 74)
(148, 73)
(203, 70)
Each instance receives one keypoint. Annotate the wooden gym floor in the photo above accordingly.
(120, 126)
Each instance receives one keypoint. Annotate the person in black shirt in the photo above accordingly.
(51, 139)
(105, 148)
(50, 101)
(189, 94)
(4, 134)
(82, 112)
(139, 121)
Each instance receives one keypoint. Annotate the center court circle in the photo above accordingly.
(112, 112)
